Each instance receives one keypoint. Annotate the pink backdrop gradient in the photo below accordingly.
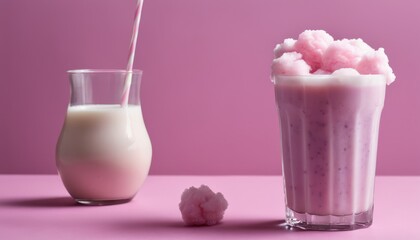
(207, 98)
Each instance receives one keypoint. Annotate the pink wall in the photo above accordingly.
(207, 99)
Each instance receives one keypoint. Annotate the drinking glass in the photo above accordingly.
(329, 135)
(103, 153)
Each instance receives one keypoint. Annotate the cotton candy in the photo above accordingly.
(201, 206)
(288, 45)
(376, 63)
(290, 63)
(312, 44)
(360, 45)
(341, 54)
(316, 52)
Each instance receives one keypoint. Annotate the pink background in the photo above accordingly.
(207, 98)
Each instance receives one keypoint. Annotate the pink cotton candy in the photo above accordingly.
(341, 54)
(288, 45)
(201, 206)
(376, 63)
(312, 45)
(360, 45)
(344, 54)
(290, 63)
(316, 52)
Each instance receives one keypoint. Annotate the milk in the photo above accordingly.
(104, 152)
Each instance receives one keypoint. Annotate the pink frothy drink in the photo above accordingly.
(329, 119)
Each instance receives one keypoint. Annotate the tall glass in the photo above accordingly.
(103, 154)
(329, 134)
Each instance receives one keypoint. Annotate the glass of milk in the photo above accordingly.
(103, 154)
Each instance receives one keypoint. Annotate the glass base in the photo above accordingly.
(102, 202)
(308, 221)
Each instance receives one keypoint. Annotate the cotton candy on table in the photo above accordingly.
(201, 206)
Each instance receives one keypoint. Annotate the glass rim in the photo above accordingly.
(327, 75)
(78, 71)
(322, 79)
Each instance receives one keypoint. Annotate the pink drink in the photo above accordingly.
(103, 153)
(330, 94)
(329, 132)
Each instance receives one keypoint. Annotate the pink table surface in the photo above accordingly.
(38, 207)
